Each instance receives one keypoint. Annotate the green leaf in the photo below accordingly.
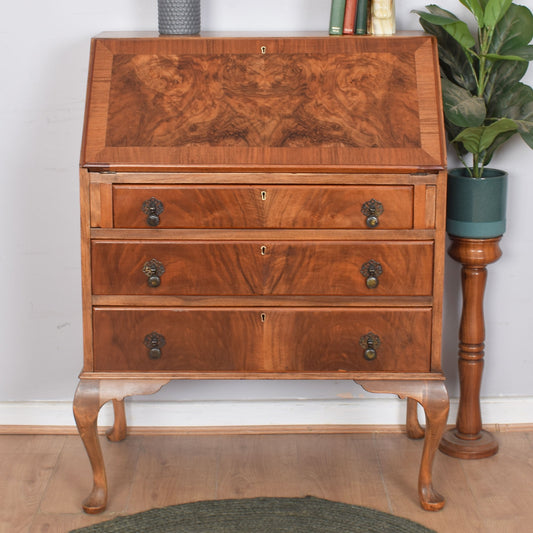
(470, 138)
(452, 57)
(436, 15)
(516, 103)
(479, 139)
(452, 131)
(461, 107)
(499, 141)
(496, 57)
(514, 31)
(524, 52)
(503, 76)
(495, 10)
(476, 9)
(455, 27)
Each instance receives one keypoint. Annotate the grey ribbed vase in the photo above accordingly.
(179, 17)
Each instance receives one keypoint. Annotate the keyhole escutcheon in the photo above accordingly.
(263, 49)
(263, 250)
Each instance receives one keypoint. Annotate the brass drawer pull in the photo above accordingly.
(152, 208)
(154, 342)
(154, 269)
(372, 210)
(371, 270)
(370, 343)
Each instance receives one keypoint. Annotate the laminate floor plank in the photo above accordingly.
(400, 457)
(173, 470)
(45, 478)
(27, 465)
(62, 523)
(338, 467)
(22, 484)
(72, 481)
(503, 485)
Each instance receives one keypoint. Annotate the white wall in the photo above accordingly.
(44, 49)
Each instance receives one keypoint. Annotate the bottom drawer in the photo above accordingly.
(262, 340)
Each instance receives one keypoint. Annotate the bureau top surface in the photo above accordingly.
(300, 103)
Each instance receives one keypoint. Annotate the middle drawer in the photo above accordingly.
(244, 268)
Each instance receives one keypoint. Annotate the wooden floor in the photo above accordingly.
(44, 478)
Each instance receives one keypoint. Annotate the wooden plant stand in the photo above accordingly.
(468, 440)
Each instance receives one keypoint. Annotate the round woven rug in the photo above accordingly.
(259, 515)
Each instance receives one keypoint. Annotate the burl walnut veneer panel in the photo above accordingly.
(242, 102)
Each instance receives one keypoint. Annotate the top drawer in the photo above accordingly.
(285, 206)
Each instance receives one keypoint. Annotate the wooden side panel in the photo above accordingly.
(101, 205)
(290, 207)
(269, 268)
(431, 198)
(438, 281)
(86, 284)
(313, 102)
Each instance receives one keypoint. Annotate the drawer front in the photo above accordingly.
(194, 340)
(256, 340)
(262, 268)
(290, 207)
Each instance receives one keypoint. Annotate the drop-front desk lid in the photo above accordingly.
(242, 102)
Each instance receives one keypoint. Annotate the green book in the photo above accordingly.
(336, 19)
(360, 19)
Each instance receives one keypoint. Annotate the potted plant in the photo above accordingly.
(485, 104)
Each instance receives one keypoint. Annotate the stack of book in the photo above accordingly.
(348, 17)
(362, 17)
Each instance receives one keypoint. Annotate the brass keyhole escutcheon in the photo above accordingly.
(263, 250)
(263, 317)
(263, 195)
(263, 50)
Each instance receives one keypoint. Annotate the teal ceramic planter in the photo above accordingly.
(476, 207)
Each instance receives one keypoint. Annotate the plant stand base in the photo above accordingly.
(483, 446)
(468, 440)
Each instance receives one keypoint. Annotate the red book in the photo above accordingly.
(349, 17)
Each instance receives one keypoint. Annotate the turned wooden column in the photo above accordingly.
(468, 440)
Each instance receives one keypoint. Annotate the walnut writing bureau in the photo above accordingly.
(262, 207)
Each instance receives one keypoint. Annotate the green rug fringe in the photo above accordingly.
(259, 515)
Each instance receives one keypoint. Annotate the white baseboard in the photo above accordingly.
(366, 411)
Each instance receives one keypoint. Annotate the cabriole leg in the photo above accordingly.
(118, 431)
(414, 429)
(87, 404)
(90, 395)
(433, 397)
(436, 406)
